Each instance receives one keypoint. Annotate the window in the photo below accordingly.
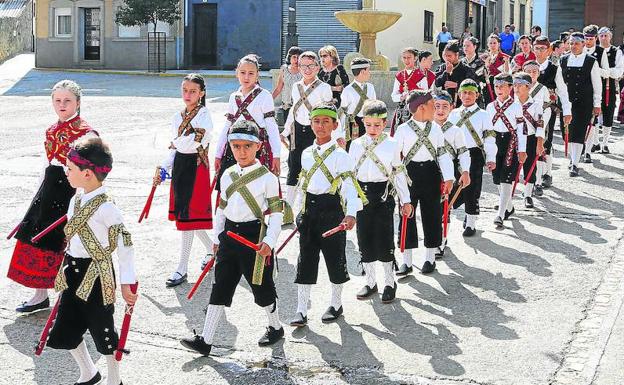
(428, 26)
(132, 31)
(63, 22)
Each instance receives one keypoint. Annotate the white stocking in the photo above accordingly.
(388, 273)
(303, 298)
(84, 361)
(336, 296)
(185, 252)
(273, 316)
(112, 375)
(369, 272)
(606, 133)
(213, 314)
(504, 198)
(407, 257)
(39, 296)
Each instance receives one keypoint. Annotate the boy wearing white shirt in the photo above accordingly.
(380, 173)
(481, 143)
(250, 195)
(353, 97)
(508, 122)
(430, 168)
(94, 230)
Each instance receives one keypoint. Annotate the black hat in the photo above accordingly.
(591, 30)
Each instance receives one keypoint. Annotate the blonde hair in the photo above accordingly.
(70, 86)
(332, 51)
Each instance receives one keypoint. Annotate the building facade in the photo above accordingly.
(579, 13)
(418, 27)
(83, 34)
(16, 27)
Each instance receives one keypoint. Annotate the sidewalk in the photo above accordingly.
(170, 73)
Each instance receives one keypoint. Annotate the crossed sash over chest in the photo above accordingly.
(352, 131)
(302, 102)
(500, 114)
(101, 266)
(186, 128)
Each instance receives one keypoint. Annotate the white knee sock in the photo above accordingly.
(273, 316)
(407, 257)
(471, 221)
(186, 243)
(213, 314)
(369, 272)
(303, 298)
(549, 163)
(205, 239)
(388, 273)
(112, 375)
(84, 361)
(575, 153)
(606, 133)
(592, 138)
(291, 193)
(336, 296)
(430, 254)
(539, 171)
(528, 190)
(39, 296)
(504, 198)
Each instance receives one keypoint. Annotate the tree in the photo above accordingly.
(143, 12)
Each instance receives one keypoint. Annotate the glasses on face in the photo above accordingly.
(540, 48)
(308, 67)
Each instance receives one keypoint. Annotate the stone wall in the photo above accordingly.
(16, 34)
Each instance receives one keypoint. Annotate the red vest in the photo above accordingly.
(520, 59)
(498, 62)
(413, 79)
(61, 135)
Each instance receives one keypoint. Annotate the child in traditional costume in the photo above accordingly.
(353, 97)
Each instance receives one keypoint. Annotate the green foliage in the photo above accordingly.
(143, 12)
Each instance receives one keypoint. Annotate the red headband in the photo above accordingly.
(75, 157)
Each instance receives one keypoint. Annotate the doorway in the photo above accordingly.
(205, 34)
(91, 34)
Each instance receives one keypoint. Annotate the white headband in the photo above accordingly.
(242, 136)
(358, 66)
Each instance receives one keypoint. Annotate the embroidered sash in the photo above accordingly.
(369, 153)
(353, 130)
(529, 118)
(303, 101)
(186, 128)
(422, 140)
(101, 265)
(500, 114)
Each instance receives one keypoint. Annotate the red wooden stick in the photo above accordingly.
(54, 225)
(125, 326)
(589, 128)
(201, 277)
(15, 230)
(243, 240)
(286, 241)
(607, 95)
(403, 231)
(532, 169)
(566, 140)
(148, 204)
(337, 229)
(46, 329)
(491, 91)
(213, 184)
(446, 212)
(513, 190)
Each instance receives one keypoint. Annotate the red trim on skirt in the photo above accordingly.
(200, 207)
(34, 267)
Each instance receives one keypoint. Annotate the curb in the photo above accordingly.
(135, 73)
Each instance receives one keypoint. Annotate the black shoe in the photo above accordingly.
(574, 171)
(595, 148)
(176, 281)
(197, 344)
(469, 232)
(331, 314)
(299, 321)
(546, 180)
(404, 270)
(366, 292)
(587, 158)
(570, 166)
(271, 336)
(509, 213)
(428, 267)
(25, 308)
(389, 294)
(528, 202)
(539, 190)
(498, 221)
(96, 379)
(440, 252)
(605, 150)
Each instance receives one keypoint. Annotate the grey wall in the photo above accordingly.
(16, 34)
(563, 14)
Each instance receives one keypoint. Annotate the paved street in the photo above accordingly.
(537, 303)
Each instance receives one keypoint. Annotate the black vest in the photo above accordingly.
(547, 76)
(611, 55)
(578, 80)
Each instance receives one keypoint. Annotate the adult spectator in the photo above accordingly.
(536, 31)
(516, 36)
(507, 41)
(442, 40)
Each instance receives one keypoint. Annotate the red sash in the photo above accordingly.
(500, 114)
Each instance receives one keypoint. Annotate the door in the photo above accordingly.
(92, 33)
(205, 34)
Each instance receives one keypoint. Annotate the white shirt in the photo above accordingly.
(423, 84)
(537, 111)
(337, 163)
(349, 98)
(577, 61)
(237, 210)
(187, 144)
(612, 72)
(262, 104)
(102, 219)
(562, 89)
(322, 93)
(389, 154)
(515, 117)
(454, 136)
(406, 137)
(481, 122)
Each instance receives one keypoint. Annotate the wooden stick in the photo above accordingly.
(14, 231)
(54, 225)
(403, 231)
(337, 229)
(201, 278)
(125, 326)
(43, 339)
(295, 231)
